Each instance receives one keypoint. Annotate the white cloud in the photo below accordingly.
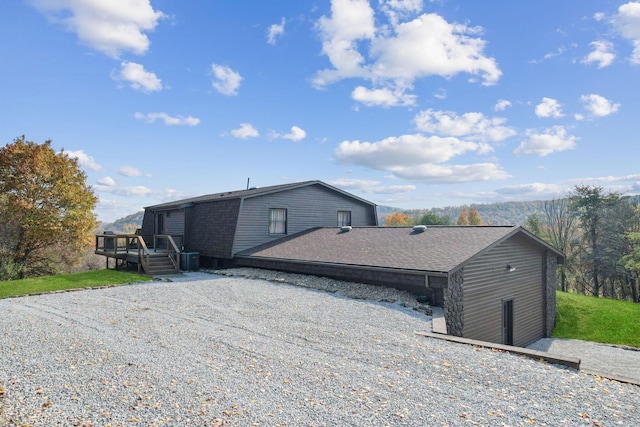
(552, 140)
(502, 105)
(275, 31)
(370, 186)
(167, 119)
(627, 23)
(384, 97)
(440, 93)
(603, 54)
(84, 160)
(549, 107)
(473, 126)
(225, 80)
(296, 134)
(246, 130)
(395, 56)
(418, 157)
(399, 9)
(599, 106)
(130, 171)
(107, 26)
(107, 181)
(138, 190)
(534, 191)
(138, 77)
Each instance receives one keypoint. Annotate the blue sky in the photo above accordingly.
(406, 103)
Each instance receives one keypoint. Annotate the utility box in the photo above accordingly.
(190, 261)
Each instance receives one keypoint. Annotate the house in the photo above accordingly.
(494, 283)
(217, 226)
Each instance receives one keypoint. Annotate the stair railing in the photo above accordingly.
(172, 248)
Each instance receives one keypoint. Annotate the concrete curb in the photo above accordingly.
(571, 362)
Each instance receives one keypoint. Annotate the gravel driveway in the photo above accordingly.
(215, 350)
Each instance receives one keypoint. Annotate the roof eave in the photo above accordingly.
(354, 266)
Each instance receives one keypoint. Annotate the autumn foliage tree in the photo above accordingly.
(397, 219)
(46, 210)
(469, 217)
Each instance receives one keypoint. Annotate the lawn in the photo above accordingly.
(597, 319)
(39, 285)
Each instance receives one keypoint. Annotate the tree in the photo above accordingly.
(562, 233)
(432, 218)
(463, 218)
(474, 217)
(397, 219)
(46, 209)
(591, 205)
(469, 217)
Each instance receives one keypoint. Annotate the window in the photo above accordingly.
(344, 218)
(277, 221)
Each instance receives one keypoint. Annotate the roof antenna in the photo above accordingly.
(248, 182)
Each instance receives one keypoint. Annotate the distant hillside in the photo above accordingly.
(128, 224)
(504, 213)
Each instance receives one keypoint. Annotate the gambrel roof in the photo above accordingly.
(437, 249)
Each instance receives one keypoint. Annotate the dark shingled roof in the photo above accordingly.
(436, 249)
(251, 192)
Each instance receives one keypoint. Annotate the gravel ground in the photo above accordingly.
(216, 350)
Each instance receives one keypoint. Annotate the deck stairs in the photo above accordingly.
(163, 258)
(160, 264)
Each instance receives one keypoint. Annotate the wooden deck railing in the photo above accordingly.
(132, 247)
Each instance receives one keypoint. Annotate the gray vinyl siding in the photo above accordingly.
(174, 222)
(307, 207)
(487, 283)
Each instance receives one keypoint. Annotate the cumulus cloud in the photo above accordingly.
(138, 78)
(384, 97)
(296, 134)
(246, 130)
(395, 55)
(549, 107)
(370, 186)
(419, 157)
(598, 106)
(502, 105)
(627, 23)
(110, 27)
(473, 126)
(602, 54)
(275, 31)
(130, 171)
(167, 119)
(551, 141)
(84, 160)
(225, 80)
(107, 181)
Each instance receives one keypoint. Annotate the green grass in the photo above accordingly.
(597, 319)
(14, 288)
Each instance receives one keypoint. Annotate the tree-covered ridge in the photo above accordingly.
(126, 225)
(504, 213)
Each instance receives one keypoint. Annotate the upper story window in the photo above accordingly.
(344, 218)
(277, 221)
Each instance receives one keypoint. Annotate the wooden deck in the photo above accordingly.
(130, 249)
